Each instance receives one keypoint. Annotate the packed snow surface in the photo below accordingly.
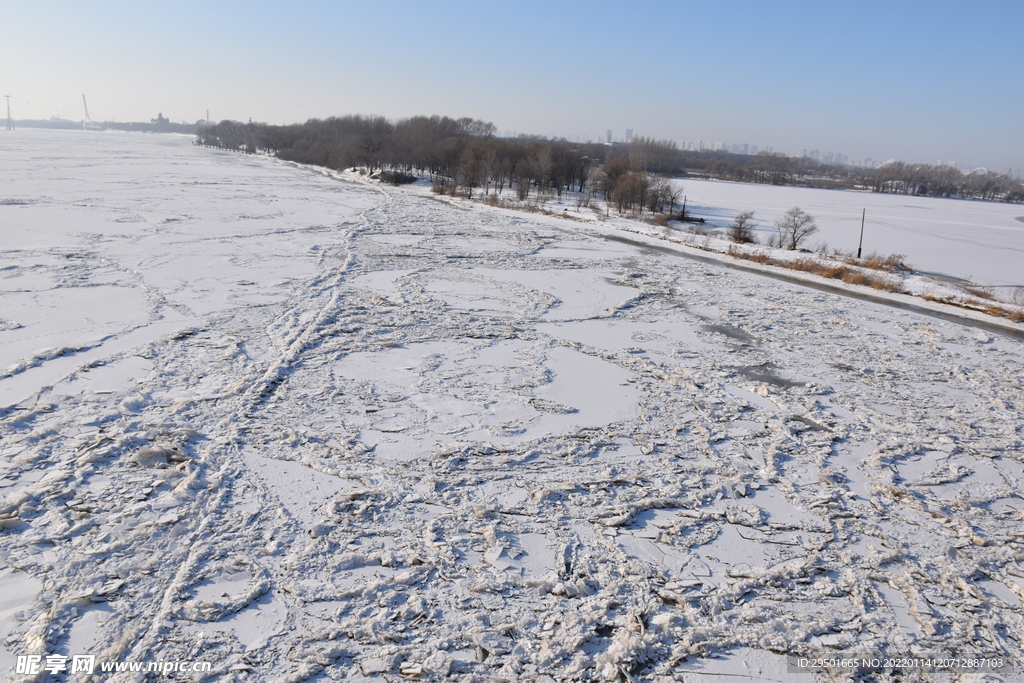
(298, 427)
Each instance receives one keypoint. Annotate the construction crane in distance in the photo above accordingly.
(87, 124)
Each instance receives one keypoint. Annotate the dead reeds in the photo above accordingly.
(852, 275)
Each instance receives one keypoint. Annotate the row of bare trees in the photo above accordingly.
(463, 156)
(342, 142)
(539, 168)
(635, 191)
(893, 177)
(791, 229)
(525, 165)
(945, 181)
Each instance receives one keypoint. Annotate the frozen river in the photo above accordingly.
(302, 429)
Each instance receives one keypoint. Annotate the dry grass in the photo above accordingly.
(981, 292)
(661, 220)
(852, 277)
(832, 271)
(756, 257)
(853, 273)
(1016, 315)
(887, 285)
(893, 263)
(817, 268)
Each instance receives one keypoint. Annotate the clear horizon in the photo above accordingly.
(918, 82)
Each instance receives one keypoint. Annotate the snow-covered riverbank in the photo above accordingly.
(296, 427)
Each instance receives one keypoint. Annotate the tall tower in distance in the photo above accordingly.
(609, 136)
(629, 134)
(10, 126)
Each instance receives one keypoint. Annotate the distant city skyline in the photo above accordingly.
(915, 81)
(745, 148)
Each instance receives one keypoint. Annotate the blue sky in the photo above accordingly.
(918, 81)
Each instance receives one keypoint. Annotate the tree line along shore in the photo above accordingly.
(464, 156)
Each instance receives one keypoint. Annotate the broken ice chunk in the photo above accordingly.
(494, 558)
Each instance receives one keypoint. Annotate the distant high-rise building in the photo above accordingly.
(770, 150)
(700, 145)
(609, 136)
(744, 148)
(629, 134)
(753, 149)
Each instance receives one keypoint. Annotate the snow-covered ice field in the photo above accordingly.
(311, 430)
(980, 242)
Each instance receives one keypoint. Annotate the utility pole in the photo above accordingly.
(861, 243)
(10, 126)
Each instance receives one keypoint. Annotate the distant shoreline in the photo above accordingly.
(64, 124)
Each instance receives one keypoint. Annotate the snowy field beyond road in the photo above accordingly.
(297, 427)
(982, 242)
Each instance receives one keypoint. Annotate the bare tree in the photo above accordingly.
(794, 227)
(773, 168)
(672, 196)
(490, 163)
(374, 141)
(742, 228)
(471, 170)
(542, 162)
(657, 195)
(524, 178)
(648, 154)
(632, 191)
